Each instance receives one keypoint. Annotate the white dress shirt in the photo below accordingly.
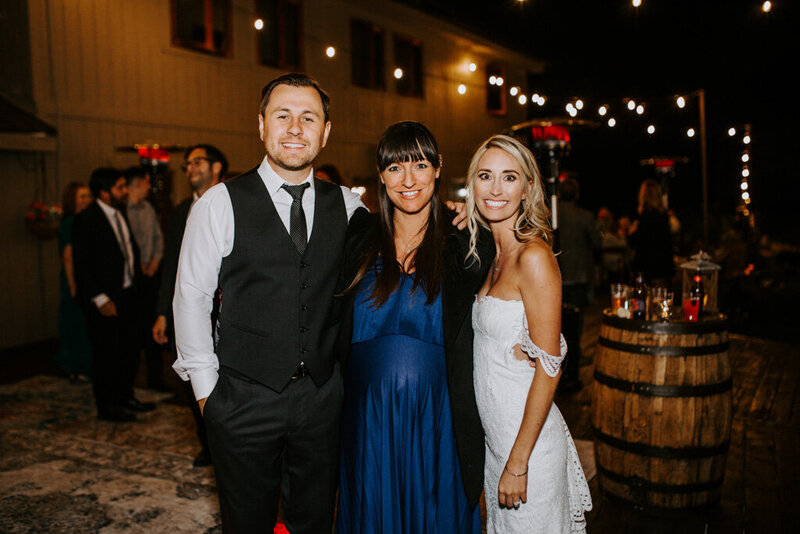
(208, 239)
(113, 215)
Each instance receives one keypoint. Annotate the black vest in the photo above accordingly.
(277, 306)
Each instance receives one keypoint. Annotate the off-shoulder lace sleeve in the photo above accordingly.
(550, 363)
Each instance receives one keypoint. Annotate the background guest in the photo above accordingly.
(329, 173)
(650, 237)
(74, 355)
(205, 165)
(106, 261)
(578, 238)
(614, 252)
(147, 233)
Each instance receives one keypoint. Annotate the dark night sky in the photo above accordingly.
(604, 51)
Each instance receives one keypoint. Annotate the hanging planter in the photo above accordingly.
(42, 220)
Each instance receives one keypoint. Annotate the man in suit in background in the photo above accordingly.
(106, 262)
(205, 165)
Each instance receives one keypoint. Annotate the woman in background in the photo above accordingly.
(651, 238)
(408, 378)
(534, 482)
(74, 355)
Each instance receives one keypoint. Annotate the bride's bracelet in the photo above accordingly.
(514, 475)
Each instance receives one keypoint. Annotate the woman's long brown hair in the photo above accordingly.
(402, 142)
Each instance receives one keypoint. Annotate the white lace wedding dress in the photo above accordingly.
(558, 493)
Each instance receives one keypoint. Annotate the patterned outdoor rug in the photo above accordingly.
(62, 470)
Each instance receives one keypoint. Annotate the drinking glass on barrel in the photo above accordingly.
(619, 299)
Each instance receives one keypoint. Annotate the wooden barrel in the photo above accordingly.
(661, 411)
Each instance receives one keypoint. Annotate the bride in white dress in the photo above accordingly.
(533, 477)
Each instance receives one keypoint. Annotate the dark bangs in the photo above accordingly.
(407, 141)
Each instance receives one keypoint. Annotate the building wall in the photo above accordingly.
(106, 75)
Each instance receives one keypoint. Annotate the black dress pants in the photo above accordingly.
(153, 352)
(264, 443)
(115, 342)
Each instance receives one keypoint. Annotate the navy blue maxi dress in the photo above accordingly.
(399, 466)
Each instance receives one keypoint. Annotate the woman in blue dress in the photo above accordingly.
(74, 355)
(411, 457)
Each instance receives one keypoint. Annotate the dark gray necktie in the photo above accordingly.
(297, 217)
(123, 247)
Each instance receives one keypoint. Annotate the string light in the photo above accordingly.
(259, 24)
(398, 73)
(731, 131)
(766, 7)
(499, 81)
(602, 110)
(462, 89)
(636, 3)
(579, 104)
(639, 109)
(522, 100)
(473, 67)
(681, 102)
(690, 132)
(514, 91)
(330, 51)
(612, 122)
(651, 129)
(492, 79)
(745, 184)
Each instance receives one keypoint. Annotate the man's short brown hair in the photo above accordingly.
(295, 79)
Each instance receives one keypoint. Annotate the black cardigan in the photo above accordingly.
(460, 283)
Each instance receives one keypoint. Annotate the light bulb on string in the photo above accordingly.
(731, 131)
(258, 24)
(690, 132)
(492, 79)
(681, 102)
(745, 172)
(330, 51)
(473, 67)
(398, 73)
(651, 129)
(746, 139)
(522, 100)
(631, 105)
(766, 7)
(612, 122)
(462, 89)
(579, 104)
(602, 110)
(639, 109)
(514, 90)
(744, 186)
(745, 157)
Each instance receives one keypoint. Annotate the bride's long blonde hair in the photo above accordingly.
(534, 217)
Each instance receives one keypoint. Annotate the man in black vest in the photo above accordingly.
(205, 165)
(271, 391)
